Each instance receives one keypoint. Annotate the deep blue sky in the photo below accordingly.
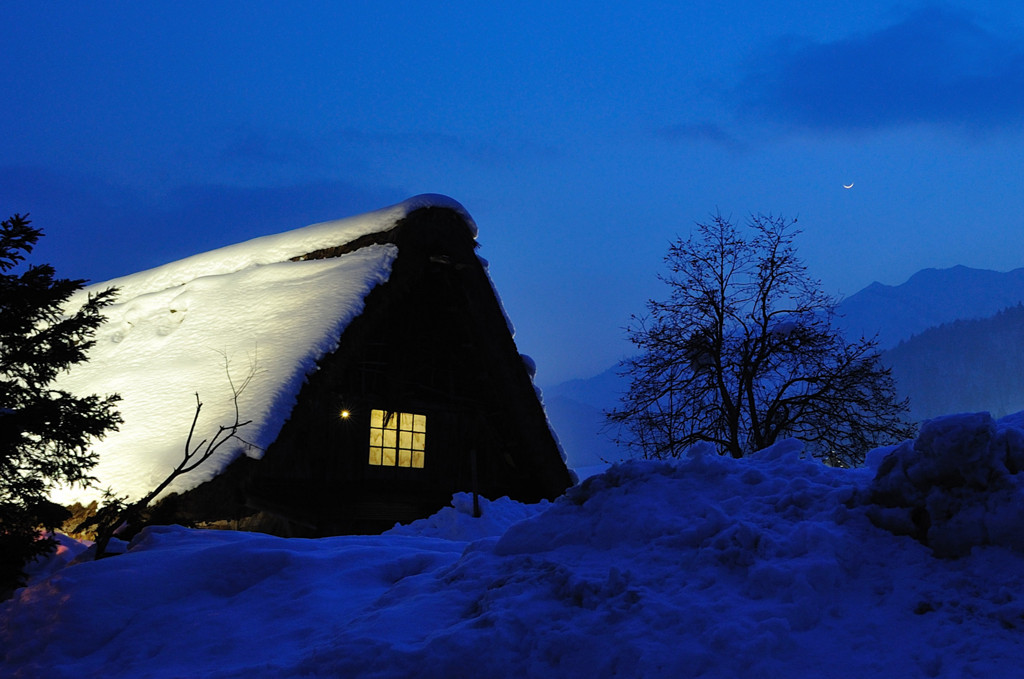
(583, 137)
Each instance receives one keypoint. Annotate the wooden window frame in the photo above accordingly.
(397, 439)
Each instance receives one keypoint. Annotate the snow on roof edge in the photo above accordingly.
(440, 200)
(272, 248)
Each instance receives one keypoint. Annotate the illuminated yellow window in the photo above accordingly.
(397, 439)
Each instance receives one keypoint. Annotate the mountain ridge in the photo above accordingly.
(927, 299)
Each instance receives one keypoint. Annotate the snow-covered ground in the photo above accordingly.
(707, 567)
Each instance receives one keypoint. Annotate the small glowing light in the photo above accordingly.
(345, 414)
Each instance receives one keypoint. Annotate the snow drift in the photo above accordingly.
(956, 487)
(771, 566)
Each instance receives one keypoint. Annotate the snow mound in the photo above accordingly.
(66, 552)
(706, 566)
(957, 486)
(458, 523)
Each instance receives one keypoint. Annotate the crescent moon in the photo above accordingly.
(848, 186)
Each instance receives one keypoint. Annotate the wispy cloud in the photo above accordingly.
(937, 66)
(258, 154)
(700, 132)
(483, 152)
(276, 149)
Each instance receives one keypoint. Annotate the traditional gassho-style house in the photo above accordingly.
(382, 378)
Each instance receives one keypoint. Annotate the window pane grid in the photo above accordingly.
(397, 439)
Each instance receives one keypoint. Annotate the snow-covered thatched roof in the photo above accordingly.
(210, 321)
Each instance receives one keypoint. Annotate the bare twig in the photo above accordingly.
(117, 512)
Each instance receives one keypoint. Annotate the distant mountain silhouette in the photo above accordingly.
(576, 410)
(929, 298)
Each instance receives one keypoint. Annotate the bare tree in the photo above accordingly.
(745, 351)
(117, 511)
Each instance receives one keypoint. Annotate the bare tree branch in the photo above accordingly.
(117, 511)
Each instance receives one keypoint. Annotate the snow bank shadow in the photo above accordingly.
(957, 486)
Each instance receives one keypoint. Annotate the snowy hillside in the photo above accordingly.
(770, 566)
